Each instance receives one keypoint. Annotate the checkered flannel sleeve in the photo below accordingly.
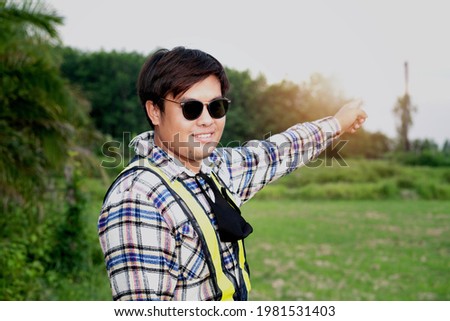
(139, 248)
(258, 163)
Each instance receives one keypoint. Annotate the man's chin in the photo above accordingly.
(205, 152)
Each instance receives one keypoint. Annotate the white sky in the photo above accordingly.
(361, 44)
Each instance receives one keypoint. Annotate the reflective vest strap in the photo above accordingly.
(248, 285)
(210, 235)
(241, 258)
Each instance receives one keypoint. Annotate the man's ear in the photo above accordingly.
(153, 112)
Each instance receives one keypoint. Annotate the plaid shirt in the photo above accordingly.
(151, 249)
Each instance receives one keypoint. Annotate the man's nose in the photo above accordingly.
(205, 118)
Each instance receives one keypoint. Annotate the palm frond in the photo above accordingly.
(35, 16)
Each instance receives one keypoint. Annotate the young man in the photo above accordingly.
(170, 226)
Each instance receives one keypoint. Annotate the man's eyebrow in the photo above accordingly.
(187, 98)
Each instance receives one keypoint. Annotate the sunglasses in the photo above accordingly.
(192, 109)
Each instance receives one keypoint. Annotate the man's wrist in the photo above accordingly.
(330, 126)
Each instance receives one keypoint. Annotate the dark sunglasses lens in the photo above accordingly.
(218, 108)
(192, 109)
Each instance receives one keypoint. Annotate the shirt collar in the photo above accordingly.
(144, 146)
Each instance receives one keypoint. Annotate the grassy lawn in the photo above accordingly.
(349, 250)
(335, 250)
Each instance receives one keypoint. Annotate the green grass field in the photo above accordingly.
(338, 250)
(349, 250)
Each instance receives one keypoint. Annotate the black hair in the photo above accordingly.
(174, 72)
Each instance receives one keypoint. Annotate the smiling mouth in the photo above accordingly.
(205, 137)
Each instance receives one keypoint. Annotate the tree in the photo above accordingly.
(320, 97)
(362, 144)
(277, 108)
(108, 80)
(244, 93)
(403, 110)
(43, 126)
(446, 148)
(282, 105)
(34, 127)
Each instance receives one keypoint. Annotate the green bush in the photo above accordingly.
(405, 182)
(25, 249)
(389, 190)
(431, 158)
(50, 250)
(433, 191)
(446, 176)
(362, 180)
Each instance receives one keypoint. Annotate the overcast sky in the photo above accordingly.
(361, 44)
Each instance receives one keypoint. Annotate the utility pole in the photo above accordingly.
(406, 79)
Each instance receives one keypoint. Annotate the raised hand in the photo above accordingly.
(351, 116)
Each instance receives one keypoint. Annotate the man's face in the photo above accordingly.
(190, 140)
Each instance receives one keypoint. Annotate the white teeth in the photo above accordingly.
(203, 135)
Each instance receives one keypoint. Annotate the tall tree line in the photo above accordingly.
(107, 80)
(45, 139)
(258, 109)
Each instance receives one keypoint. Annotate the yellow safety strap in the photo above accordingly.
(240, 245)
(209, 233)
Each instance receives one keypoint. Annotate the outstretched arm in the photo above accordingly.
(258, 163)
